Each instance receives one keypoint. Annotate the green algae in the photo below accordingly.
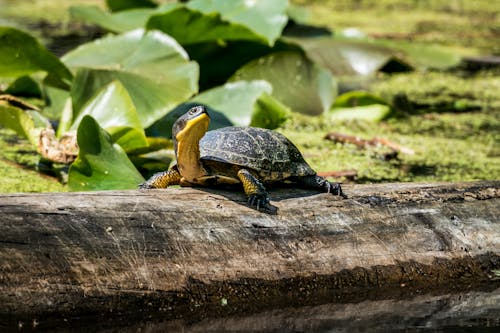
(450, 119)
(20, 168)
(448, 147)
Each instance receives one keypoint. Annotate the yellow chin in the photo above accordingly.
(194, 129)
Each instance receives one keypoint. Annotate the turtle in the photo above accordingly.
(249, 156)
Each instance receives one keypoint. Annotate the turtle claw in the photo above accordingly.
(261, 203)
(335, 189)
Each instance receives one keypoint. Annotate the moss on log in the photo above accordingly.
(177, 249)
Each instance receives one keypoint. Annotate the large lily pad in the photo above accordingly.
(21, 54)
(266, 18)
(372, 112)
(205, 21)
(153, 67)
(296, 81)
(117, 22)
(239, 103)
(190, 26)
(101, 164)
(360, 105)
(219, 61)
(422, 55)
(114, 111)
(365, 57)
(346, 58)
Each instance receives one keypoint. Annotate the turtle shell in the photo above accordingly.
(268, 153)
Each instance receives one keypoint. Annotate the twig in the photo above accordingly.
(363, 143)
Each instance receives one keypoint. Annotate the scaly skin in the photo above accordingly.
(163, 179)
(256, 192)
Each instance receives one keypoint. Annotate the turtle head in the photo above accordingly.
(192, 125)
(186, 133)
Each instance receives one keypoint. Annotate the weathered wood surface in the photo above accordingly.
(175, 249)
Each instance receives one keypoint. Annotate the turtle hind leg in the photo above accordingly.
(256, 192)
(321, 184)
(162, 179)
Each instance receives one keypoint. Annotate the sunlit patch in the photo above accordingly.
(250, 3)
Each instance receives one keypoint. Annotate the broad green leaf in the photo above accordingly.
(423, 55)
(238, 103)
(357, 98)
(26, 123)
(163, 127)
(152, 67)
(235, 100)
(372, 112)
(345, 57)
(218, 61)
(245, 103)
(56, 101)
(296, 81)
(118, 5)
(114, 111)
(364, 57)
(268, 112)
(264, 17)
(189, 26)
(360, 105)
(24, 86)
(116, 22)
(101, 164)
(21, 54)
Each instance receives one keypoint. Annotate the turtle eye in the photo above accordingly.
(193, 111)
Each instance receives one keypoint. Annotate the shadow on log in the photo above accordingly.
(179, 251)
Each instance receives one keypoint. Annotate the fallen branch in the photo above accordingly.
(363, 143)
(176, 249)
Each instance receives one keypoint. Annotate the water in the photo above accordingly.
(471, 312)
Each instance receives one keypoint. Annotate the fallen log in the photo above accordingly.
(175, 250)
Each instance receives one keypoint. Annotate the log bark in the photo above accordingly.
(175, 250)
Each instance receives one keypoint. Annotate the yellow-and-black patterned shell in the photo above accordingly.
(267, 152)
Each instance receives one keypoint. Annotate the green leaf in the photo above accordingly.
(235, 100)
(245, 103)
(21, 54)
(118, 5)
(152, 67)
(268, 112)
(114, 111)
(190, 26)
(238, 103)
(24, 86)
(163, 127)
(372, 112)
(56, 101)
(264, 17)
(218, 61)
(296, 81)
(357, 98)
(101, 164)
(360, 105)
(364, 57)
(116, 22)
(423, 55)
(25, 123)
(346, 57)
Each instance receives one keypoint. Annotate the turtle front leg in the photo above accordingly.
(321, 184)
(163, 179)
(256, 192)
